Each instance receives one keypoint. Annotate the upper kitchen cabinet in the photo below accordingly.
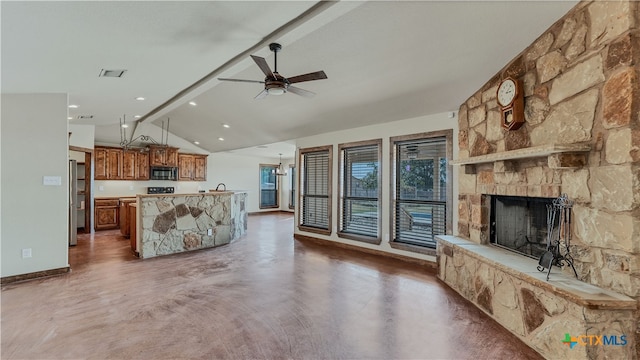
(108, 163)
(100, 155)
(135, 165)
(163, 156)
(129, 165)
(118, 164)
(192, 167)
(142, 166)
(185, 167)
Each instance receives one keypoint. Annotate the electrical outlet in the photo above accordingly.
(209, 232)
(131, 187)
(26, 253)
(100, 188)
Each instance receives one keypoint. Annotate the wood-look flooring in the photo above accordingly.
(265, 296)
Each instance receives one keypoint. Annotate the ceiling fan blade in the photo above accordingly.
(242, 80)
(318, 75)
(301, 92)
(262, 95)
(262, 64)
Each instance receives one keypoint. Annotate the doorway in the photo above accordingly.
(84, 179)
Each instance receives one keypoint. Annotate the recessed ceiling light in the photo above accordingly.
(226, 126)
(221, 139)
(137, 116)
(112, 73)
(73, 106)
(192, 103)
(197, 142)
(124, 126)
(140, 98)
(69, 118)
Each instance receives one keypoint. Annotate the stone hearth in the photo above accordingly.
(581, 138)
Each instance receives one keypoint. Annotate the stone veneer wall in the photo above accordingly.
(581, 87)
(178, 223)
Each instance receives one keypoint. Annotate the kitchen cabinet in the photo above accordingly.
(106, 214)
(185, 167)
(129, 165)
(118, 164)
(192, 167)
(142, 165)
(114, 164)
(200, 168)
(163, 156)
(100, 155)
(124, 215)
(108, 163)
(135, 165)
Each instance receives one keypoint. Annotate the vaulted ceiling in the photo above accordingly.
(385, 61)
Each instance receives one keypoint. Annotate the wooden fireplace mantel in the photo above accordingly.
(558, 156)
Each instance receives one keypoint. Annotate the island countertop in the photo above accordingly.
(173, 223)
(210, 192)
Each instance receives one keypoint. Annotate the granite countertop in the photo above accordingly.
(210, 193)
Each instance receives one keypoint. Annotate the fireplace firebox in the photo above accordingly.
(519, 224)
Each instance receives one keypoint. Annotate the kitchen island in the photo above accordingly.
(174, 223)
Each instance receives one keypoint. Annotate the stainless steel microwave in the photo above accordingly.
(164, 173)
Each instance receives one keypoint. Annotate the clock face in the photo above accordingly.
(506, 92)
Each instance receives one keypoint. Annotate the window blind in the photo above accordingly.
(360, 183)
(420, 191)
(315, 190)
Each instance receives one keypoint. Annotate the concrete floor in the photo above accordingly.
(265, 296)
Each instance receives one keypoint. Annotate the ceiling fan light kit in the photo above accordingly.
(276, 84)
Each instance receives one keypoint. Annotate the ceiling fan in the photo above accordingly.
(276, 84)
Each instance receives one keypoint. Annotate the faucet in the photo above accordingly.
(224, 187)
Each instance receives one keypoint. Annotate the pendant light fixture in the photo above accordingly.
(280, 171)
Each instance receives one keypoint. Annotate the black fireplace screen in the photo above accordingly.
(520, 224)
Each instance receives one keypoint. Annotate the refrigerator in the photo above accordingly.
(73, 202)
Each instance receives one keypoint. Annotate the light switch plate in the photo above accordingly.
(52, 180)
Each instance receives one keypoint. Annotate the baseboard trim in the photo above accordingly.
(270, 212)
(430, 265)
(34, 275)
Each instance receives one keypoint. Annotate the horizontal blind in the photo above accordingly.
(360, 201)
(315, 189)
(421, 188)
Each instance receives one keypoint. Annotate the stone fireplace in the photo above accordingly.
(581, 138)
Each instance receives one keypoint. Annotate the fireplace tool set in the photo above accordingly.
(558, 242)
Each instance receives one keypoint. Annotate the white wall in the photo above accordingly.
(82, 135)
(240, 172)
(382, 131)
(34, 144)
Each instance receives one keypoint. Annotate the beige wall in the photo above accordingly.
(33, 215)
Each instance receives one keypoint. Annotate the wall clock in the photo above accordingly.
(511, 101)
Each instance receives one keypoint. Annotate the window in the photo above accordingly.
(422, 191)
(268, 186)
(315, 189)
(360, 191)
(292, 186)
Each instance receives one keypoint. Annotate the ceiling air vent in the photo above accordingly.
(84, 117)
(112, 73)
